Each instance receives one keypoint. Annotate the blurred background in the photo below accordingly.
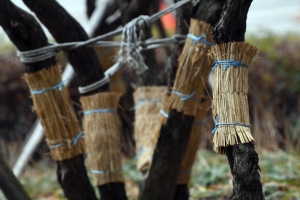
(274, 101)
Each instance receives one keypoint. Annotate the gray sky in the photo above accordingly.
(279, 16)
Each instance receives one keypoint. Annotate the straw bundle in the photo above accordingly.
(148, 102)
(193, 144)
(230, 90)
(102, 134)
(106, 56)
(193, 69)
(54, 108)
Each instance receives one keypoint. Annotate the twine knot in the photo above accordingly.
(228, 63)
(200, 39)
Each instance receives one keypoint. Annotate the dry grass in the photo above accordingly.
(230, 90)
(193, 69)
(102, 136)
(56, 113)
(148, 102)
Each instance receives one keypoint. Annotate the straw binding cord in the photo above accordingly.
(227, 124)
(105, 171)
(74, 141)
(201, 39)
(141, 101)
(87, 112)
(59, 86)
(228, 63)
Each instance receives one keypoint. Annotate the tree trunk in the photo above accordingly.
(9, 184)
(168, 154)
(242, 158)
(64, 28)
(25, 32)
(208, 11)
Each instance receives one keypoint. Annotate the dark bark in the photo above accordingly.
(90, 7)
(26, 34)
(131, 9)
(113, 191)
(65, 28)
(242, 158)
(72, 176)
(232, 26)
(85, 62)
(182, 192)
(168, 154)
(9, 184)
(103, 26)
(208, 11)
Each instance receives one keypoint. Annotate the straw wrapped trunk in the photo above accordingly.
(147, 105)
(102, 134)
(192, 73)
(58, 118)
(230, 89)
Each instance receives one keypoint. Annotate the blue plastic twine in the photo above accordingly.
(227, 124)
(199, 39)
(74, 141)
(87, 112)
(141, 101)
(105, 171)
(185, 97)
(59, 86)
(228, 63)
(166, 115)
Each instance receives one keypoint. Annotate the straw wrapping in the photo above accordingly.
(148, 102)
(193, 69)
(230, 88)
(54, 108)
(102, 126)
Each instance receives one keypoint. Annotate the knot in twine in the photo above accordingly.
(130, 52)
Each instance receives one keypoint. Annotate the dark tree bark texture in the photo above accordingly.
(168, 154)
(9, 184)
(232, 26)
(64, 28)
(208, 11)
(242, 158)
(25, 32)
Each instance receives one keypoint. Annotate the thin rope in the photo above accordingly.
(201, 39)
(87, 112)
(227, 124)
(227, 63)
(58, 86)
(105, 171)
(141, 101)
(166, 115)
(74, 141)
